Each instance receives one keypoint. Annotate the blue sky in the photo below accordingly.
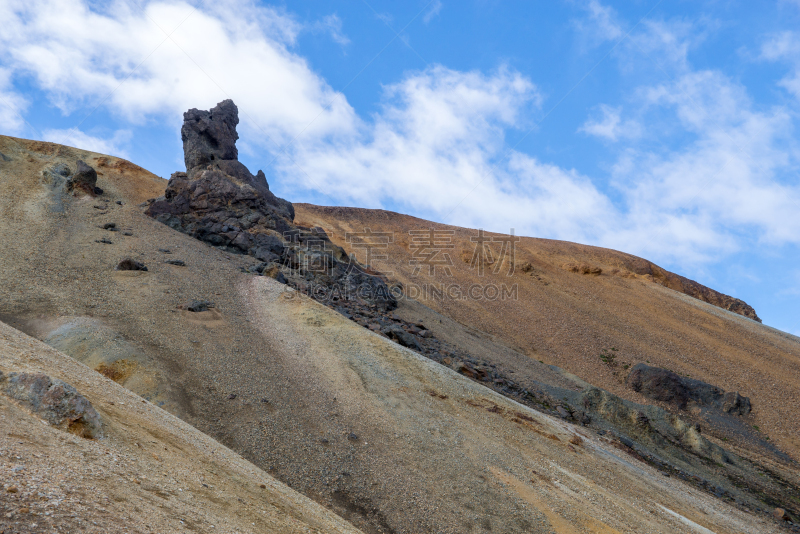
(664, 129)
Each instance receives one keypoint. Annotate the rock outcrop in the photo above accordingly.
(218, 200)
(84, 179)
(56, 402)
(689, 287)
(666, 386)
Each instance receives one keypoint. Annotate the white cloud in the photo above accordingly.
(785, 47)
(332, 25)
(437, 145)
(433, 11)
(600, 25)
(12, 106)
(79, 56)
(724, 181)
(432, 142)
(713, 171)
(605, 20)
(781, 46)
(611, 126)
(112, 146)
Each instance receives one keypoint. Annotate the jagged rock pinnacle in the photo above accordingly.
(210, 136)
(218, 200)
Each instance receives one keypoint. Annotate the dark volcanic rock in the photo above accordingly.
(55, 401)
(210, 135)
(735, 404)
(84, 179)
(218, 200)
(197, 306)
(659, 384)
(129, 264)
(396, 333)
(666, 386)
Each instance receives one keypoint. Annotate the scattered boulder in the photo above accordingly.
(402, 337)
(470, 371)
(112, 227)
(179, 263)
(196, 306)
(667, 386)
(84, 179)
(103, 241)
(735, 404)
(129, 264)
(780, 514)
(56, 402)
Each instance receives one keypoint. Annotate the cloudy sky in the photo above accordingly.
(666, 129)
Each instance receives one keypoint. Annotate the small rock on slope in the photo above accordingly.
(84, 179)
(55, 401)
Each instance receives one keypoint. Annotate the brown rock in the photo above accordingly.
(780, 514)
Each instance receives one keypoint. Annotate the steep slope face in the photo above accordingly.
(149, 472)
(388, 439)
(574, 303)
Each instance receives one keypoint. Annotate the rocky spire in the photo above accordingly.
(220, 202)
(210, 136)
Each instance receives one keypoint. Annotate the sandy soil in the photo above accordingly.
(149, 472)
(443, 445)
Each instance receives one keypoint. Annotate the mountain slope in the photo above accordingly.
(388, 439)
(567, 318)
(150, 472)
